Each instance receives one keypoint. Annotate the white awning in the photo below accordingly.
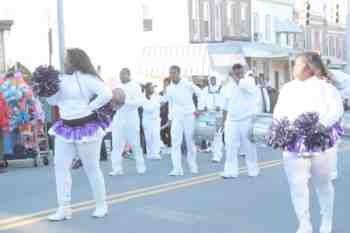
(192, 59)
(286, 26)
(259, 50)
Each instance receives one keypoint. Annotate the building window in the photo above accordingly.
(338, 48)
(205, 22)
(147, 19)
(331, 47)
(317, 42)
(268, 27)
(256, 22)
(217, 22)
(237, 19)
(195, 20)
(244, 19)
(308, 39)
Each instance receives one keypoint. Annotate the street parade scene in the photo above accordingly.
(186, 116)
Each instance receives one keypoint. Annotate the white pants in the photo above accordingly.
(237, 136)
(89, 153)
(183, 125)
(126, 128)
(299, 171)
(217, 146)
(333, 153)
(152, 136)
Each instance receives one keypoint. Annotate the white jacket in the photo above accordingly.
(312, 95)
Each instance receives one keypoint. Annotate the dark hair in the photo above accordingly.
(80, 61)
(175, 67)
(127, 70)
(317, 62)
(237, 66)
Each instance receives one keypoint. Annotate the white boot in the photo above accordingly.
(141, 167)
(326, 226)
(100, 211)
(62, 213)
(305, 227)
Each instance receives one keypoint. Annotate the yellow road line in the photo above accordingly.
(118, 198)
(113, 196)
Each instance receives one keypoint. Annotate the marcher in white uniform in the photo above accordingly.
(240, 98)
(308, 93)
(126, 125)
(179, 95)
(321, 72)
(151, 122)
(76, 111)
(214, 103)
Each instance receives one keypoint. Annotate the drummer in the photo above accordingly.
(182, 110)
(214, 104)
(126, 125)
(239, 105)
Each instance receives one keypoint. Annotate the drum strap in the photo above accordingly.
(263, 97)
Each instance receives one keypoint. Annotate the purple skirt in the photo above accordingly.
(78, 133)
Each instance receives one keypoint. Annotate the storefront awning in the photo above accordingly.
(286, 26)
(192, 59)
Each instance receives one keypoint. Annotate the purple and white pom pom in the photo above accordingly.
(45, 81)
(281, 134)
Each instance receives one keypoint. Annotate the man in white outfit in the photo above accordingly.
(179, 96)
(151, 122)
(240, 98)
(214, 103)
(126, 125)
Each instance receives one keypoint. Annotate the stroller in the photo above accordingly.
(30, 141)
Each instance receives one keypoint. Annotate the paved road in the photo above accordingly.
(156, 203)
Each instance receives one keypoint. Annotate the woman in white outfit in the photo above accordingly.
(79, 131)
(306, 94)
(321, 72)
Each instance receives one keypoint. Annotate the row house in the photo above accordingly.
(212, 35)
(324, 28)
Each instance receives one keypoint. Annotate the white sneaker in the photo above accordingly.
(155, 157)
(305, 228)
(334, 176)
(215, 161)
(116, 173)
(100, 212)
(253, 174)
(194, 169)
(141, 169)
(326, 227)
(176, 173)
(228, 176)
(61, 214)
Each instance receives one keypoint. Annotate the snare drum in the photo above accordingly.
(260, 128)
(206, 125)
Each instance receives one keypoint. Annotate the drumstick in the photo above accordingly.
(165, 126)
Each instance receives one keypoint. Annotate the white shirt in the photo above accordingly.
(180, 99)
(201, 100)
(151, 107)
(133, 97)
(74, 96)
(240, 100)
(213, 97)
(312, 95)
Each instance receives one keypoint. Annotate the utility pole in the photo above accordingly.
(60, 25)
